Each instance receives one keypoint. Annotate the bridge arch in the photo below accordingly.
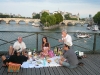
(21, 21)
(10, 21)
(69, 23)
(2, 21)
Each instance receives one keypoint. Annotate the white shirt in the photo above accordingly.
(68, 40)
(18, 45)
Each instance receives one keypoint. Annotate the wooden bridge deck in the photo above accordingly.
(91, 67)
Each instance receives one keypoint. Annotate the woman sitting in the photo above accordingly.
(45, 50)
(45, 47)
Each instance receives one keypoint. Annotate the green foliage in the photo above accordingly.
(43, 20)
(67, 17)
(37, 16)
(97, 18)
(58, 17)
(44, 14)
(83, 19)
(4, 16)
(49, 20)
(10, 16)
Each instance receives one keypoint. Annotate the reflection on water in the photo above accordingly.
(31, 40)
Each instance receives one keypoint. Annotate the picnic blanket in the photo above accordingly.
(40, 63)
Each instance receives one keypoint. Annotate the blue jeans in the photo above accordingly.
(66, 64)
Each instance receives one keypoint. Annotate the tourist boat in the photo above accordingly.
(88, 27)
(95, 27)
(82, 35)
(36, 24)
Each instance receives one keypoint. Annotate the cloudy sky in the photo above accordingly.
(27, 7)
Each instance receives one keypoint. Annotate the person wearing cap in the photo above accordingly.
(69, 58)
(66, 38)
(15, 58)
(18, 45)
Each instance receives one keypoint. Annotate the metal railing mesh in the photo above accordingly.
(34, 40)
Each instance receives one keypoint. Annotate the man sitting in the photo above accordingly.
(69, 58)
(18, 45)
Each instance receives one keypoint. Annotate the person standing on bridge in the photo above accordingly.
(66, 38)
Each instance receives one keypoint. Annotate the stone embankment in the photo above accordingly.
(52, 27)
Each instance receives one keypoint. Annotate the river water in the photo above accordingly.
(85, 42)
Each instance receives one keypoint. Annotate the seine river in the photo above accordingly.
(87, 43)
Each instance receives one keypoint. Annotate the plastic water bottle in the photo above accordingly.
(44, 61)
(34, 52)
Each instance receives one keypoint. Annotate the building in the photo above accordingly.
(33, 14)
(44, 11)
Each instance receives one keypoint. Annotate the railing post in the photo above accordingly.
(37, 41)
(94, 43)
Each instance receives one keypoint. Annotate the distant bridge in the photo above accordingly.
(73, 22)
(17, 20)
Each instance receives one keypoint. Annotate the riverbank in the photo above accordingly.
(51, 27)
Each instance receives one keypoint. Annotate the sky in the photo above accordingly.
(27, 7)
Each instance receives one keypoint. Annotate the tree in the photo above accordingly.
(96, 18)
(4, 16)
(58, 17)
(51, 19)
(43, 17)
(44, 14)
(67, 17)
(43, 20)
(37, 16)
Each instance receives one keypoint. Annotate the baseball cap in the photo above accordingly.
(68, 43)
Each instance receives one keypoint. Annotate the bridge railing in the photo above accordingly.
(34, 40)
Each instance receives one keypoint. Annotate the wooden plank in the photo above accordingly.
(81, 71)
(33, 71)
(77, 71)
(46, 71)
(74, 73)
(70, 73)
(5, 71)
(64, 71)
(85, 70)
(55, 71)
(9, 73)
(51, 71)
(37, 71)
(24, 70)
(0, 65)
(60, 71)
(42, 71)
(94, 59)
(90, 68)
(14, 73)
(2, 70)
(29, 70)
(20, 72)
(96, 68)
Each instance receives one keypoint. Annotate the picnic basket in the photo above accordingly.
(13, 67)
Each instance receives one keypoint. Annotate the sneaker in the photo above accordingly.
(80, 63)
